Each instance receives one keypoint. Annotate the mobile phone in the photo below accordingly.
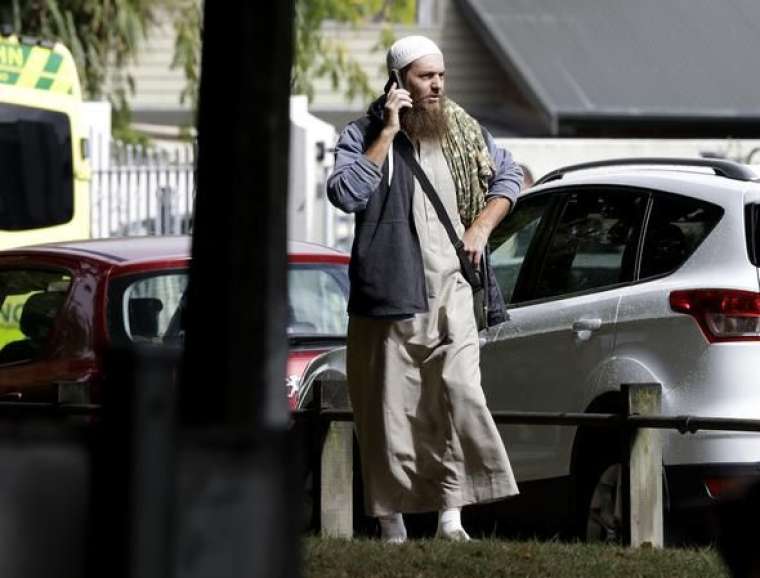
(396, 77)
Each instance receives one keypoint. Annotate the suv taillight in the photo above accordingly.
(722, 314)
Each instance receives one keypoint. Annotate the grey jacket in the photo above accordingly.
(386, 271)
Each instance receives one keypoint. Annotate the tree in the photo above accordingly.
(104, 37)
(187, 16)
(314, 56)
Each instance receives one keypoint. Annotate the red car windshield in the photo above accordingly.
(317, 299)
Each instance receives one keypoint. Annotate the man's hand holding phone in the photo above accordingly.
(398, 97)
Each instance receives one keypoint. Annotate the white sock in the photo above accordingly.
(450, 525)
(450, 517)
(392, 528)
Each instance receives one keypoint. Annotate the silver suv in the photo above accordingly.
(629, 271)
(616, 272)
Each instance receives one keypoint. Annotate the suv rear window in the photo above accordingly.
(676, 227)
(752, 220)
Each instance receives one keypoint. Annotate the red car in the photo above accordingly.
(65, 304)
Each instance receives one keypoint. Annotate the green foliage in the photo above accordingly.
(318, 57)
(314, 56)
(188, 22)
(104, 37)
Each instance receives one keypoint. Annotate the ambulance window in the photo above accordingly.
(37, 189)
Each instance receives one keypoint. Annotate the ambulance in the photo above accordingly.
(44, 190)
(44, 173)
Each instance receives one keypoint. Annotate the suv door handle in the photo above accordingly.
(587, 325)
(11, 396)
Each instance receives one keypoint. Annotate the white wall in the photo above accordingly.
(97, 118)
(310, 215)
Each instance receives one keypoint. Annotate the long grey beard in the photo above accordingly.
(421, 124)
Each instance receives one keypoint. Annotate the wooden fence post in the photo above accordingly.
(336, 485)
(645, 468)
(336, 510)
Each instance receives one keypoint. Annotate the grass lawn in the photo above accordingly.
(332, 558)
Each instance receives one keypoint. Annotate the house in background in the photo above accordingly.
(155, 103)
(533, 71)
(475, 78)
(491, 97)
(550, 68)
(568, 68)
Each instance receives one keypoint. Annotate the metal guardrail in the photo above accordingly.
(642, 476)
(642, 456)
(682, 423)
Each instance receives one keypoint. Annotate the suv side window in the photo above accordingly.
(511, 241)
(677, 226)
(594, 244)
(752, 225)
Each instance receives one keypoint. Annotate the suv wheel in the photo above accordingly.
(604, 513)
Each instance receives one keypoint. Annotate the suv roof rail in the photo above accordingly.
(722, 167)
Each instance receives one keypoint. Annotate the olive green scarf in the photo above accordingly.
(469, 161)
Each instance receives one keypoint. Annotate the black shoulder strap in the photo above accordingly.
(470, 273)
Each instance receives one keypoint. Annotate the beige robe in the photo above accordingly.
(426, 438)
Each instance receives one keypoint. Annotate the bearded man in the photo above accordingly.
(427, 441)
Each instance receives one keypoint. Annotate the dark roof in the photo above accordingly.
(685, 66)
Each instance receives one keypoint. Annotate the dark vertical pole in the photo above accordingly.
(236, 342)
(236, 517)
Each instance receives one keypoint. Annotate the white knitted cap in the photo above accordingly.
(408, 49)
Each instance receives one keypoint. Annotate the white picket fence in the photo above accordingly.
(137, 191)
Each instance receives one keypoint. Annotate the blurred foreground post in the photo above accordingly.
(237, 499)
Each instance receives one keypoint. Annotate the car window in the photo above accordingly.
(676, 227)
(31, 303)
(149, 303)
(594, 243)
(317, 299)
(510, 242)
(752, 222)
